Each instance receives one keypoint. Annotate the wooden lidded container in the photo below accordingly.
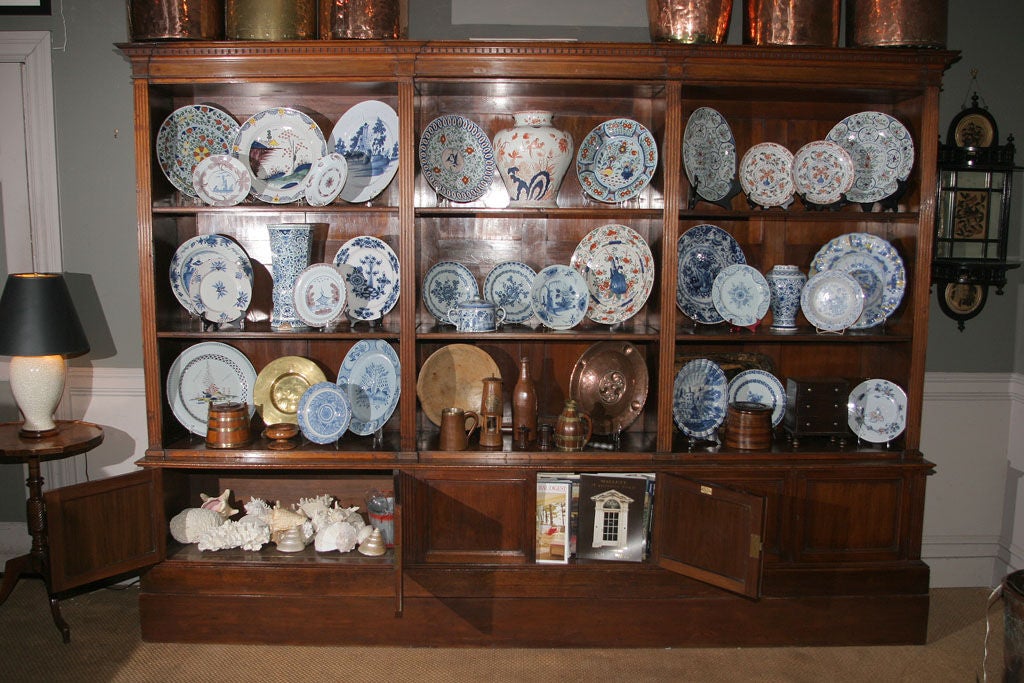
(748, 426)
(228, 425)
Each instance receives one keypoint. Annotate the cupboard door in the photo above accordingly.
(710, 533)
(101, 529)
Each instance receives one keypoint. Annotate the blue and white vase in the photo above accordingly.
(785, 284)
(532, 158)
(290, 247)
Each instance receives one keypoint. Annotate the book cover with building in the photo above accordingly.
(612, 517)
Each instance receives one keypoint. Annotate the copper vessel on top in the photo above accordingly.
(791, 22)
(896, 23)
(689, 21)
(176, 19)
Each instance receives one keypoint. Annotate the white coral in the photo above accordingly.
(257, 507)
(187, 525)
(312, 506)
(235, 535)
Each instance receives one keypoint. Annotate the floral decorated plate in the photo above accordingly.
(709, 153)
(189, 135)
(221, 180)
(758, 386)
(194, 254)
(766, 174)
(324, 413)
(740, 294)
(205, 373)
(371, 272)
(279, 147)
(367, 136)
(320, 295)
(325, 179)
(370, 375)
(877, 410)
(616, 160)
(832, 301)
(703, 251)
(822, 172)
(559, 297)
(221, 290)
(445, 285)
(875, 264)
(699, 398)
(882, 152)
(508, 285)
(618, 266)
(456, 158)
(280, 386)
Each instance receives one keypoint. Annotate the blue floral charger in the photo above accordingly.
(445, 286)
(740, 294)
(508, 285)
(371, 273)
(324, 413)
(370, 376)
(699, 398)
(703, 252)
(193, 255)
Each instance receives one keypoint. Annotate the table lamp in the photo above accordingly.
(39, 328)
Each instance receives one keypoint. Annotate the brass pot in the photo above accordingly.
(270, 19)
(896, 23)
(791, 22)
(689, 21)
(176, 19)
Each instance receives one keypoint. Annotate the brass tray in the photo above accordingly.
(280, 385)
(609, 382)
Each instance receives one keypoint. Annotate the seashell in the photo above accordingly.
(257, 507)
(234, 535)
(218, 504)
(363, 534)
(327, 538)
(187, 525)
(347, 537)
(311, 507)
(282, 520)
(374, 545)
(290, 540)
(307, 531)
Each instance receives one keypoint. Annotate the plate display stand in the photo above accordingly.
(693, 198)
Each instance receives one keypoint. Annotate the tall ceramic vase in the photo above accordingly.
(785, 284)
(290, 247)
(532, 158)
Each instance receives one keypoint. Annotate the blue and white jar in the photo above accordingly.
(785, 284)
(291, 246)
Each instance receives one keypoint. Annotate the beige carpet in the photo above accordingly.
(105, 646)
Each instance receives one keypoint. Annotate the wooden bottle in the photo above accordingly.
(524, 403)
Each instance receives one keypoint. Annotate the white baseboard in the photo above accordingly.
(14, 540)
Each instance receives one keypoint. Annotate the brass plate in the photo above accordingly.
(609, 382)
(452, 377)
(281, 384)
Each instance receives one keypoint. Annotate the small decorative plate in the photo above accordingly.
(367, 136)
(205, 373)
(508, 285)
(704, 250)
(882, 152)
(618, 266)
(875, 264)
(709, 153)
(832, 301)
(616, 160)
(758, 386)
(740, 294)
(445, 286)
(559, 297)
(221, 290)
(279, 147)
(281, 384)
(609, 382)
(877, 410)
(193, 254)
(325, 179)
(766, 174)
(452, 377)
(822, 172)
(457, 158)
(699, 398)
(189, 135)
(370, 375)
(324, 413)
(320, 295)
(221, 180)
(371, 272)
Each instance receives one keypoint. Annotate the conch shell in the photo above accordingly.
(219, 504)
(282, 520)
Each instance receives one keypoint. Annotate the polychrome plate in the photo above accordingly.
(832, 301)
(325, 179)
(367, 136)
(320, 295)
(371, 272)
(766, 174)
(882, 152)
(205, 373)
(456, 158)
(189, 135)
(740, 294)
(822, 172)
(709, 153)
(194, 254)
(324, 413)
(875, 264)
(618, 266)
(445, 286)
(221, 180)
(281, 384)
(616, 160)
(370, 375)
(703, 251)
(559, 297)
(279, 147)
(877, 410)
(699, 398)
(508, 285)
(758, 386)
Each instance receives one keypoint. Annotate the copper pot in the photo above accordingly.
(176, 19)
(791, 22)
(689, 21)
(363, 19)
(896, 23)
(270, 19)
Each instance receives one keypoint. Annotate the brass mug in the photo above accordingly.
(454, 433)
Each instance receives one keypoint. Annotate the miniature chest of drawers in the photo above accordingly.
(816, 407)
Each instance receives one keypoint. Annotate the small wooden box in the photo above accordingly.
(816, 406)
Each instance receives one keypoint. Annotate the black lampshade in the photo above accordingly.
(37, 317)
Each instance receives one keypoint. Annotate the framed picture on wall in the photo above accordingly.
(24, 6)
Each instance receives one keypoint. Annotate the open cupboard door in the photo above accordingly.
(710, 533)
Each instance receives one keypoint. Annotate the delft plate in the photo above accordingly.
(882, 152)
(445, 286)
(367, 136)
(709, 153)
(221, 290)
(766, 174)
(508, 285)
(370, 376)
(822, 172)
(758, 386)
(194, 254)
(699, 398)
(618, 266)
(324, 413)
(325, 179)
(704, 250)
(280, 386)
(832, 301)
(320, 295)
(457, 158)
(221, 180)
(279, 147)
(875, 264)
(740, 294)
(877, 410)
(205, 373)
(616, 160)
(371, 274)
(559, 297)
(189, 135)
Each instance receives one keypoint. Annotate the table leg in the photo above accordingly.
(58, 620)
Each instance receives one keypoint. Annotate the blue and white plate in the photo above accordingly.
(205, 373)
(456, 158)
(324, 413)
(367, 136)
(195, 254)
(508, 285)
(703, 251)
(758, 386)
(877, 410)
(832, 301)
(279, 147)
(616, 160)
(699, 398)
(559, 297)
(709, 153)
(882, 152)
(371, 275)
(445, 286)
(875, 264)
(221, 290)
(740, 294)
(370, 375)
